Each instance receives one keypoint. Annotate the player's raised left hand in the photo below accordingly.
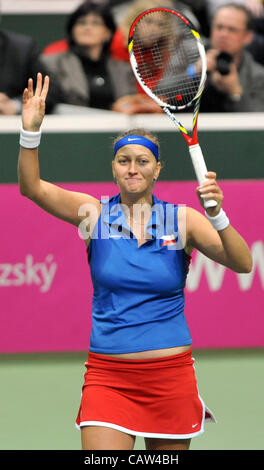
(33, 106)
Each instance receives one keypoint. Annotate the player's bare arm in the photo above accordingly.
(226, 246)
(57, 201)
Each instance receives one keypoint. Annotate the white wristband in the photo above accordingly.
(220, 221)
(29, 140)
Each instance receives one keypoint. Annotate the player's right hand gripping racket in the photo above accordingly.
(169, 62)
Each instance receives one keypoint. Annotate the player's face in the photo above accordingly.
(229, 31)
(135, 168)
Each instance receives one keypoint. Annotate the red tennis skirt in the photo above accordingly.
(143, 397)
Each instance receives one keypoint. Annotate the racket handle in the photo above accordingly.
(200, 170)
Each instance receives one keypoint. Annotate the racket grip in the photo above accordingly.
(200, 170)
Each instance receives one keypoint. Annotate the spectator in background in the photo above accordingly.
(86, 72)
(139, 102)
(19, 60)
(134, 100)
(118, 10)
(119, 48)
(256, 7)
(235, 81)
(133, 8)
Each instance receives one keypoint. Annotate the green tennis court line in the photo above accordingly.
(40, 395)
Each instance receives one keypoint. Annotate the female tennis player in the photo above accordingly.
(139, 378)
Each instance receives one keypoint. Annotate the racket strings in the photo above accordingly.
(167, 55)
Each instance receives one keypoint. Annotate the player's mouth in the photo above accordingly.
(132, 180)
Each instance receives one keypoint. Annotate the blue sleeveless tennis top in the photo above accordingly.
(138, 298)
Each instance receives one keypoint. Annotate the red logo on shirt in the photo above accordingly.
(168, 243)
(169, 240)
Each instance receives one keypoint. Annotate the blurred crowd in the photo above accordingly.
(89, 67)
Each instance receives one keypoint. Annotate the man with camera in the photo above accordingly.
(235, 81)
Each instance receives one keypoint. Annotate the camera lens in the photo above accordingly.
(223, 61)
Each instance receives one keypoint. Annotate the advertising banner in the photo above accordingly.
(46, 289)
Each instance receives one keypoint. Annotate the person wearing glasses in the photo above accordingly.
(235, 81)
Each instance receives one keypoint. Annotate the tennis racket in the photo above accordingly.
(169, 62)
